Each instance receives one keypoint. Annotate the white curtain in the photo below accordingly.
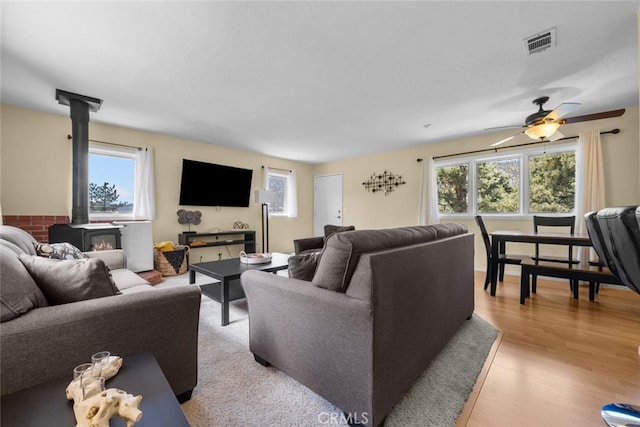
(144, 205)
(428, 194)
(590, 190)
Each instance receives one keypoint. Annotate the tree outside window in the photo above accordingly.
(493, 185)
(283, 183)
(278, 184)
(498, 186)
(552, 183)
(453, 189)
(111, 182)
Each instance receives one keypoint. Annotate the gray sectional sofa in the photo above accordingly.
(380, 306)
(44, 334)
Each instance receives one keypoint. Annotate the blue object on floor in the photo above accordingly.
(621, 414)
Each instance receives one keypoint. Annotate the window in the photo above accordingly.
(552, 183)
(283, 184)
(498, 189)
(518, 184)
(111, 182)
(453, 188)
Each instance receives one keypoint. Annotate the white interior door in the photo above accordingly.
(327, 202)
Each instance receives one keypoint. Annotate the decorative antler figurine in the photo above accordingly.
(97, 407)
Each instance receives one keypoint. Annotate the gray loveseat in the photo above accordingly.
(40, 341)
(380, 307)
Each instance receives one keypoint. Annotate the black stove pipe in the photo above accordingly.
(80, 106)
(80, 167)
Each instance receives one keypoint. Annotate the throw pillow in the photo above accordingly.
(58, 251)
(303, 267)
(69, 280)
(330, 229)
(18, 293)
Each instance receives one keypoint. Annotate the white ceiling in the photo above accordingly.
(318, 81)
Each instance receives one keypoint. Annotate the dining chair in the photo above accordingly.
(567, 222)
(502, 258)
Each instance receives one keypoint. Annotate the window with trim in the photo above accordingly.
(111, 182)
(283, 184)
(530, 182)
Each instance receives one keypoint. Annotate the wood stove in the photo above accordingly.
(87, 237)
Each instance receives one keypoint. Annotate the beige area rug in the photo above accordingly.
(234, 390)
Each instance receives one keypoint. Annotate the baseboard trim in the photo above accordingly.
(473, 396)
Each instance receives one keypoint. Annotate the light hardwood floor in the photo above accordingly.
(558, 361)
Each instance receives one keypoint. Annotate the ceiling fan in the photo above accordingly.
(544, 124)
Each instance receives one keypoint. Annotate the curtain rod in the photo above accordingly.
(484, 150)
(278, 169)
(109, 143)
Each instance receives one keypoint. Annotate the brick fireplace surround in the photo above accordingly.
(36, 225)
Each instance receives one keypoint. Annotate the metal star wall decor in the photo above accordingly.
(384, 182)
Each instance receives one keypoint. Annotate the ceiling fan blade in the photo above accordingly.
(502, 141)
(505, 127)
(556, 136)
(561, 111)
(595, 116)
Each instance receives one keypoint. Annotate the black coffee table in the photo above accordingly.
(47, 404)
(228, 272)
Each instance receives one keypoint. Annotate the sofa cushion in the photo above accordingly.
(19, 237)
(303, 266)
(58, 251)
(69, 280)
(18, 291)
(126, 279)
(342, 251)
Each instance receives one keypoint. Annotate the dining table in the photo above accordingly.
(499, 239)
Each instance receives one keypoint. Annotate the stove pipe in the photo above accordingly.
(80, 106)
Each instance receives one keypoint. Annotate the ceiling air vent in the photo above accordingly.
(539, 42)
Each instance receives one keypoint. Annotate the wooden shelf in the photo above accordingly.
(241, 237)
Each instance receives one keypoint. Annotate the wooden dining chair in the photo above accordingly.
(568, 223)
(502, 258)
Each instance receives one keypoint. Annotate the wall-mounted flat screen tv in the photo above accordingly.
(209, 184)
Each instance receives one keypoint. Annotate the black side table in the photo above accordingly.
(47, 404)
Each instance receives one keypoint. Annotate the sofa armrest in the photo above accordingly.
(319, 337)
(308, 243)
(114, 258)
(48, 342)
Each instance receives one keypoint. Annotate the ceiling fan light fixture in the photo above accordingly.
(543, 130)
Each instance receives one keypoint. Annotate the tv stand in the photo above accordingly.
(222, 238)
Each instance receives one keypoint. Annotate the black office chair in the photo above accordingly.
(615, 234)
(568, 222)
(502, 258)
(621, 235)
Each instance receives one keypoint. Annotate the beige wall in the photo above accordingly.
(369, 210)
(36, 177)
